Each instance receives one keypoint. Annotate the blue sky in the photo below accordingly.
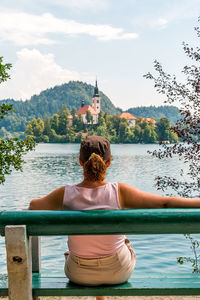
(50, 42)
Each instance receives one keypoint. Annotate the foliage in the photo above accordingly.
(164, 111)
(187, 128)
(4, 75)
(60, 129)
(11, 150)
(194, 261)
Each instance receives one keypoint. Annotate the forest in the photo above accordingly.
(59, 128)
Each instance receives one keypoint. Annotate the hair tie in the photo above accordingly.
(92, 155)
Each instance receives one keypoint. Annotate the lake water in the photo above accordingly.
(53, 165)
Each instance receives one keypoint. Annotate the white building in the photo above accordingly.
(131, 118)
(94, 110)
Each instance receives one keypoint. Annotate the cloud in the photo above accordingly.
(34, 72)
(94, 5)
(160, 23)
(78, 5)
(169, 13)
(147, 21)
(27, 29)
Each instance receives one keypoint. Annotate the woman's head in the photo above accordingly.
(95, 157)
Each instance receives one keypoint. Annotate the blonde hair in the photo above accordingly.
(94, 169)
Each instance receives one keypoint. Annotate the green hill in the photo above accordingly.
(71, 94)
(51, 101)
(170, 112)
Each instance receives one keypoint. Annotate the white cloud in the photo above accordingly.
(94, 5)
(146, 21)
(34, 72)
(27, 29)
(160, 23)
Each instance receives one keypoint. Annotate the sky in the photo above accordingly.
(50, 42)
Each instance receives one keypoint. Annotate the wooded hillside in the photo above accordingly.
(50, 101)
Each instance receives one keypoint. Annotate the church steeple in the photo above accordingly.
(96, 100)
(96, 90)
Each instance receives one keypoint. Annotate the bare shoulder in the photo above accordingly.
(131, 197)
(52, 201)
(126, 192)
(126, 188)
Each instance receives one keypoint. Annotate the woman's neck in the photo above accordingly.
(91, 184)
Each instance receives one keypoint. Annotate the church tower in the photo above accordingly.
(96, 100)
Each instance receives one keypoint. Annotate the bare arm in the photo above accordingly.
(131, 197)
(52, 201)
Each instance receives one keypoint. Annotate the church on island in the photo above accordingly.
(93, 110)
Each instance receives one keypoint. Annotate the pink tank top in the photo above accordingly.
(102, 197)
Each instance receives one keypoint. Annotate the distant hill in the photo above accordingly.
(170, 112)
(50, 101)
(71, 94)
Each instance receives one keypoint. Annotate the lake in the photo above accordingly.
(53, 165)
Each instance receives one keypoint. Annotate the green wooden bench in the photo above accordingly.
(22, 228)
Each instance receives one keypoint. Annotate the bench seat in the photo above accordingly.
(138, 285)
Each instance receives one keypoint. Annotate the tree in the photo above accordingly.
(11, 150)
(89, 117)
(101, 120)
(29, 130)
(78, 123)
(187, 94)
(38, 127)
(63, 120)
(149, 134)
(54, 122)
(163, 129)
(47, 126)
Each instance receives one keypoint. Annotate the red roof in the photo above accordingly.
(149, 120)
(85, 108)
(83, 134)
(127, 116)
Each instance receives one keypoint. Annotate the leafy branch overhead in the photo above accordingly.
(11, 150)
(187, 96)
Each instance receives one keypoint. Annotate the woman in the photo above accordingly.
(110, 259)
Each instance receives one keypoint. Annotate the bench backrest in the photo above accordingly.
(140, 221)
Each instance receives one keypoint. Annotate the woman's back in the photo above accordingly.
(101, 197)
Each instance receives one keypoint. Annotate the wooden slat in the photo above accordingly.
(36, 254)
(138, 285)
(147, 221)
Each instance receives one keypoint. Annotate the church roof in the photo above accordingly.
(83, 110)
(149, 120)
(127, 116)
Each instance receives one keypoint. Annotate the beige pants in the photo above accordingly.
(112, 269)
